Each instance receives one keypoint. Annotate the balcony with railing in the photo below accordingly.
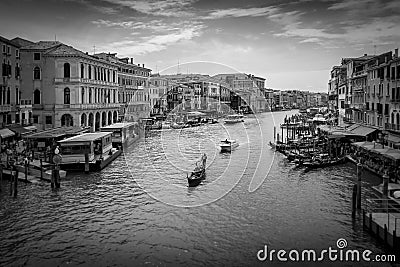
(84, 80)
(392, 127)
(88, 106)
(395, 100)
(5, 108)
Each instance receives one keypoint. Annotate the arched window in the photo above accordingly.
(67, 120)
(67, 70)
(36, 73)
(67, 96)
(83, 95)
(90, 95)
(82, 70)
(90, 72)
(398, 119)
(36, 96)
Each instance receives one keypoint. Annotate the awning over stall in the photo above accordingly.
(4, 133)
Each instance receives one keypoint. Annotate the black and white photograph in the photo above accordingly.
(199, 133)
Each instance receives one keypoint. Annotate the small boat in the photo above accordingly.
(166, 125)
(228, 145)
(199, 172)
(320, 163)
(212, 121)
(236, 118)
(178, 125)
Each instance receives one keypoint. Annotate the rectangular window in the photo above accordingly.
(17, 53)
(35, 118)
(36, 56)
(373, 106)
(4, 48)
(8, 50)
(49, 120)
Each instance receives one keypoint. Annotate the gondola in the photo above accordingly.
(199, 173)
(314, 164)
(196, 177)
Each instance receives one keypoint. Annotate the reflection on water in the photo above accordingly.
(136, 211)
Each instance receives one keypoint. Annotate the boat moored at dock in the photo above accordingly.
(89, 151)
(123, 133)
(236, 118)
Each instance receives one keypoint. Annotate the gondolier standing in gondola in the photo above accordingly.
(204, 159)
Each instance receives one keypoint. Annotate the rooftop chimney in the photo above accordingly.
(396, 52)
(143, 65)
(131, 60)
(365, 55)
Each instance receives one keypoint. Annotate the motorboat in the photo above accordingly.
(236, 118)
(228, 145)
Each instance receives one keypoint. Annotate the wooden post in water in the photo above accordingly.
(385, 191)
(1, 177)
(274, 138)
(52, 182)
(282, 133)
(41, 169)
(359, 172)
(26, 169)
(87, 162)
(14, 177)
(354, 202)
(385, 184)
(57, 176)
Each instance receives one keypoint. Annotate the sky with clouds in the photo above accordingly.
(293, 44)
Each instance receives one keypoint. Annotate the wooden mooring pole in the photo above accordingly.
(26, 170)
(14, 183)
(87, 159)
(354, 202)
(1, 177)
(359, 172)
(41, 169)
(57, 176)
(53, 179)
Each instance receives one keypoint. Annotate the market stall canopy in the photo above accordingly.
(362, 144)
(196, 113)
(21, 130)
(362, 130)
(393, 154)
(4, 133)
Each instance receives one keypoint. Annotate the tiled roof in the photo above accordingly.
(42, 45)
(65, 50)
(18, 41)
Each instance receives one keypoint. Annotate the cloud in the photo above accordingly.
(241, 12)
(352, 22)
(148, 44)
(151, 25)
(168, 8)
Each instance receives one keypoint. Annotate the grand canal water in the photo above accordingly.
(139, 210)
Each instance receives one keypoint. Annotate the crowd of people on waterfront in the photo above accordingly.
(376, 163)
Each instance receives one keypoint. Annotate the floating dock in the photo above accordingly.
(384, 226)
